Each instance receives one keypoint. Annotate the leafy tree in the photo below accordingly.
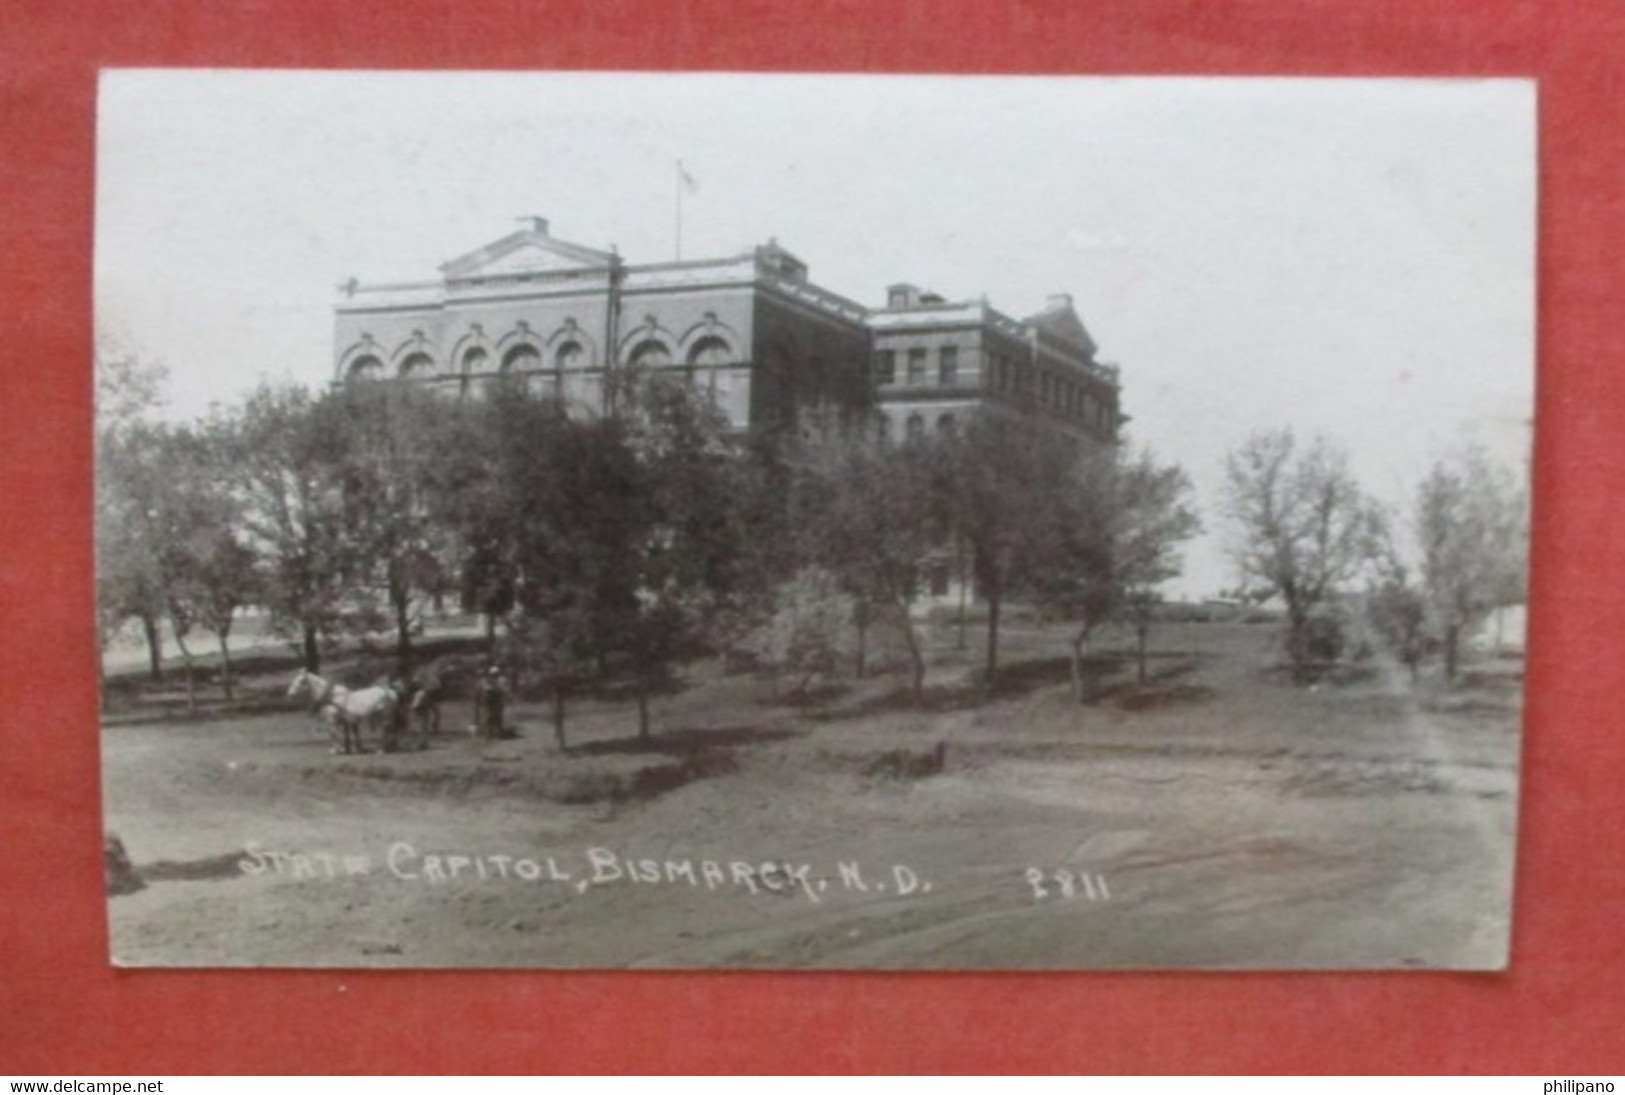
(129, 537)
(870, 512)
(806, 634)
(210, 572)
(1301, 526)
(129, 387)
(129, 392)
(499, 463)
(1472, 528)
(1008, 491)
(286, 453)
(691, 567)
(1150, 515)
(768, 547)
(552, 520)
(501, 489)
(1397, 609)
(1124, 518)
(397, 441)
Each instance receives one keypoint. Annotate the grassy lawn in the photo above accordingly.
(1221, 815)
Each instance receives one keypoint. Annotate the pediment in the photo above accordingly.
(526, 252)
(1065, 324)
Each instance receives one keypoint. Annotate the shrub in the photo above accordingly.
(1324, 639)
(810, 628)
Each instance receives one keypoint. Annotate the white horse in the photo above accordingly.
(346, 709)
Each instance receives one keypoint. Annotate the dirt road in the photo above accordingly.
(1222, 818)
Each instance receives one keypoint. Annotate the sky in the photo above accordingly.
(1353, 258)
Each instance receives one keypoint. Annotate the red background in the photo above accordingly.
(63, 1010)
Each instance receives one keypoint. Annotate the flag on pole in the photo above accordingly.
(686, 179)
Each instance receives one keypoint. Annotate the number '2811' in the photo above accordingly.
(1064, 885)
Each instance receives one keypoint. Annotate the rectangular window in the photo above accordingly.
(948, 366)
(916, 366)
(886, 367)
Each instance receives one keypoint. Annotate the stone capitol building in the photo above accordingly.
(751, 329)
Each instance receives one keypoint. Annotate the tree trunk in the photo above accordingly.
(558, 717)
(1078, 647)
(225, 665)
(155, 650)
(860, 617)
(964, 586)
(995, 600)
(313, 651)
(1452, 652)
(643, 710)
(916, 656)
(490, 632)
(191, 676)
(403, 635)
(1297, 642)
(1142, 631)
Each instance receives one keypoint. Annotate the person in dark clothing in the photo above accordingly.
(490, 701)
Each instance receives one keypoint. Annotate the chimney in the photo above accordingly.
(1058, 302)
(537, 224)
(902, 295)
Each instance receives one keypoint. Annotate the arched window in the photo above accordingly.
(916, 426)
(650, 354)
(570, 356)
(521, 359)
(947, 426)
(366, 368)
(885, 429)
(710, 351)
(475, 362)
(417, 366)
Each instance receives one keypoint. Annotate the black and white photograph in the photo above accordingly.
(605, 520)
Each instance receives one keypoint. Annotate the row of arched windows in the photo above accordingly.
(570, 355)
(914, 427)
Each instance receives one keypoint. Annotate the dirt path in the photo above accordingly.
(1227, 826)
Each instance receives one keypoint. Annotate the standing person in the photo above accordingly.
(494, 702)
(490, 699)
(396, 727)
(424, 706)
(481, 683)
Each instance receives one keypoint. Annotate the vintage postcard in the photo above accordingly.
(631, 520)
